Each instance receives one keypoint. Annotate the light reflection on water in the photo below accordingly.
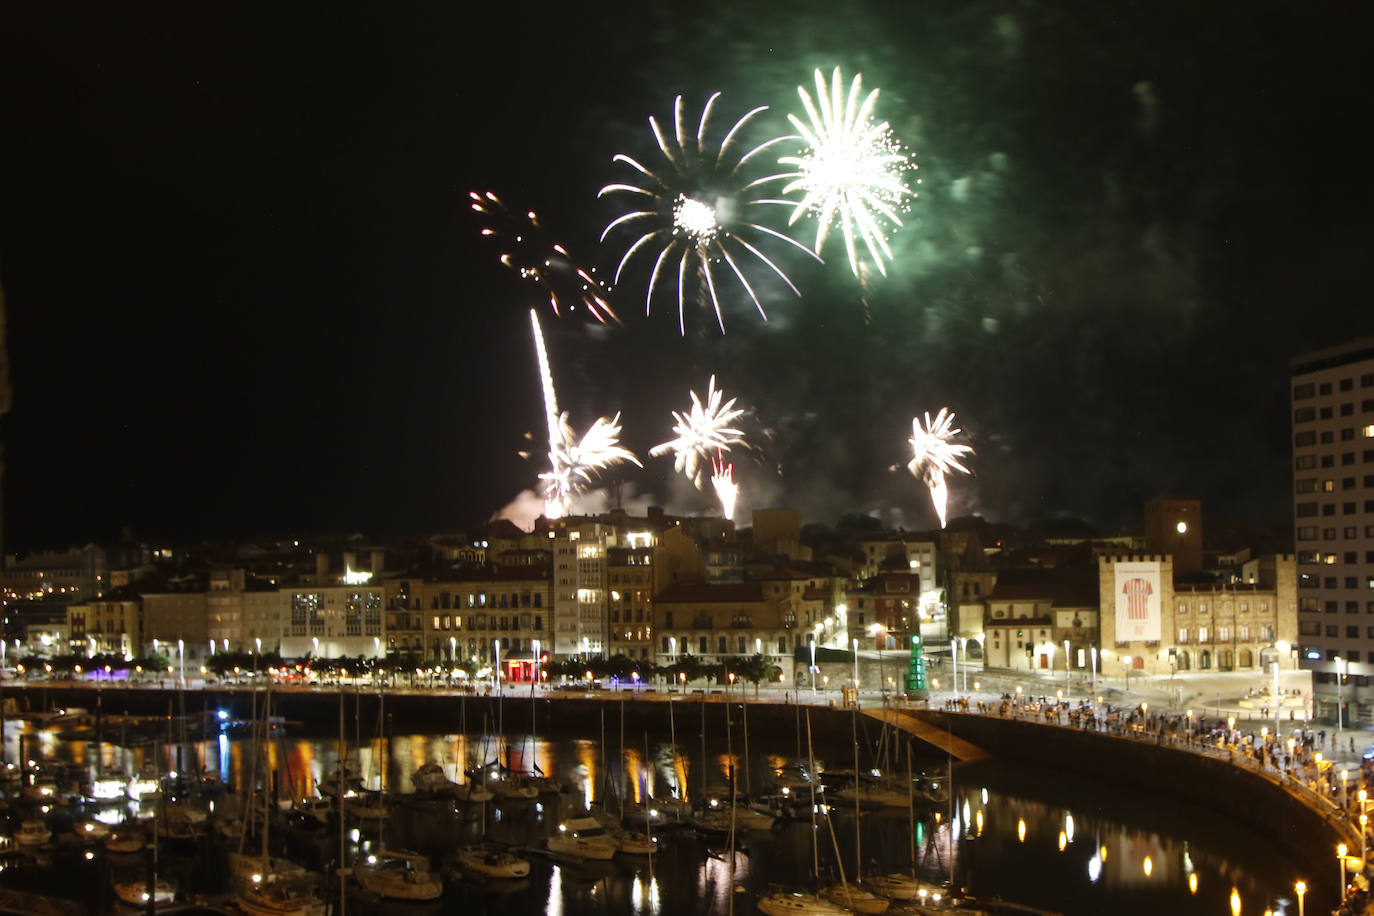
(1084, 849)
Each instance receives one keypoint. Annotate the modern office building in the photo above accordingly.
(1333, 514)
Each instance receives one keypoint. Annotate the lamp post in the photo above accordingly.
(1340, 716)
(1093, 654)
(1301, 888)
(1068, 687)
(1279, 649)
(1364, 821)
(813, 665)
(954, 662)
(1126, 661)
(1340, 854)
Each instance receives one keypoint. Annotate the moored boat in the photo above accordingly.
(398, 877)
(135, 893)
(492, 862)
(894, 886)
(584, 838)
(796, 903)
(279, 899)
(853, 897)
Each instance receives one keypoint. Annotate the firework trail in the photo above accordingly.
(545, 379)
(723, 482)
(694, 211)
(702, 430)
(934, 455)
(852, 172)
(573, 462)
(529, 251)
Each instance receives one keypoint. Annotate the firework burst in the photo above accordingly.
(576, 462)
(703, 429)
(535, 256)
(694, 211)
(573, 462)
(723, 482)
(852, 172)
(934, 455)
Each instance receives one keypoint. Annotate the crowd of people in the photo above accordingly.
(1301, 759)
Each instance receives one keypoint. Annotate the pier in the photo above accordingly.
(942, 738)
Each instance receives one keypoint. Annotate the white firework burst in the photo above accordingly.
(723, 482)
(576, 462)
(573, 462)
(704, 429)
(695, 212)
(934, 455)
(853, 171)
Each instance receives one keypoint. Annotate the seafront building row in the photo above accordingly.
(656, 588)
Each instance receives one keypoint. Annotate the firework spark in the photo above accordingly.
(533, 254)
(723, 482)
(934, 455)
(573, 462)
(852, 172)
(694, 212)
(702, 430)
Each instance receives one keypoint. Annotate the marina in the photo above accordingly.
(426, 828)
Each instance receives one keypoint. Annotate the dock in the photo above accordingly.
(956, 747)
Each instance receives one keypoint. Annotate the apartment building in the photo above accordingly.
(1333, 511)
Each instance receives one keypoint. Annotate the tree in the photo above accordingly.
(755, 668)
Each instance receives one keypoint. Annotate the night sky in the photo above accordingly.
(246, 295)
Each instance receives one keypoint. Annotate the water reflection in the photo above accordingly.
(1013, 833)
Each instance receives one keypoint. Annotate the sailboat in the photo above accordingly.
(897, 886)
(246, 869)
(492, 862)
(801, 903)
(847, 894)
(398, 875)
(280, 898)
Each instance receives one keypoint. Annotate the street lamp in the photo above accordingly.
(813, 665)
(1068, 687)
(1280, 648)
(1301, 888)
(1340, 716)
(954, 662)
(1093, 654)
(1340, 854)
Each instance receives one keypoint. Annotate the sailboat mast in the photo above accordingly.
(703, 747)
(911, 808)
(748, 792)
(339, 791)
(811, 766)
(267, 773)
(858, 852)
(620, 795)
(734, 798)
(672, 736)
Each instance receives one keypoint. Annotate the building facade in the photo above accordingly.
(1151, 623)
(1333, 512)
